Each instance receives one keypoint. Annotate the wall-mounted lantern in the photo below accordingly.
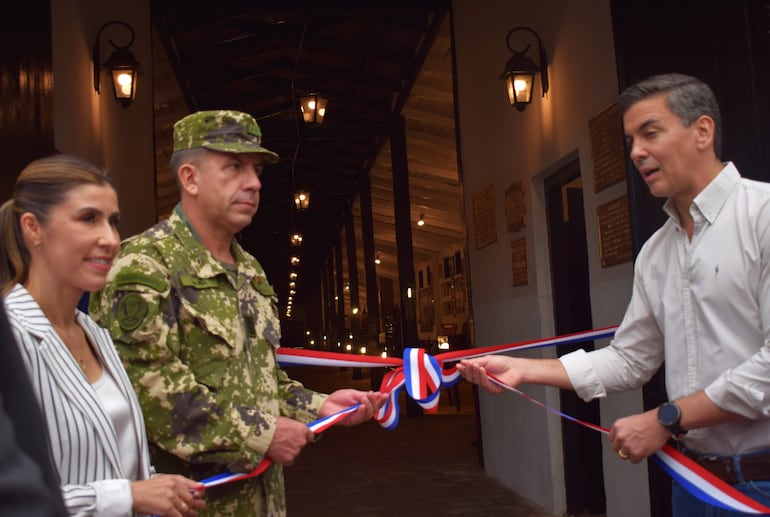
(520, 70)
(121, 65)
(313, 108)
(302, 199)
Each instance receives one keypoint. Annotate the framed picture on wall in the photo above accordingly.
(426, 309)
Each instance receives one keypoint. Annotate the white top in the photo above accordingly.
(704, 306)
(117, 407)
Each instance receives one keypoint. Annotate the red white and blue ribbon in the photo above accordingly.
(317, 426)
(546, 407)
(694, 478)
(698, 481)
(420, 373)
(704, 485)
(302, 357)
(424, 375)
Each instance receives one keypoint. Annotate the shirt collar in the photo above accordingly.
(178, 211)
(712, 198)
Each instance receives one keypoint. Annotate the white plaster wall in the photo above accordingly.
(500, 146)
(95, 126)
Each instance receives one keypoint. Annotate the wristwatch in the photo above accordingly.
(669, 416)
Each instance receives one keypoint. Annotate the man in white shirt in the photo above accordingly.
(700, 301)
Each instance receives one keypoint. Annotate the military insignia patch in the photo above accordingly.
(132, 310)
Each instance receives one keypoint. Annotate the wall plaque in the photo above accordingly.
(519, 270)
(608, 147)
(484, 224)
(614, 232)
(515, 207)
(426, 309)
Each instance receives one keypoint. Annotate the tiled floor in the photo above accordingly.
(427, 466)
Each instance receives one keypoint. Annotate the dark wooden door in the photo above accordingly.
(582, 447)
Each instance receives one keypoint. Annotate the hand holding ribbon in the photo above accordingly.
(317, 427)
(697, 480)
(368, 403)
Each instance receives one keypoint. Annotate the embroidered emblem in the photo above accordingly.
(132, 310)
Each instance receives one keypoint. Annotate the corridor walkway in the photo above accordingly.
(428, 466)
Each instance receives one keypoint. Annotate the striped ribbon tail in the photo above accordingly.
(555, 411)
(322, 424)
(694, 478)
(392, 384)
(229, 477)
(704, 485)
(317, 426)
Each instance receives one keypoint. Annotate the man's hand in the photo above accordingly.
(504, 368)
(513, 371)
(342, 399)
(288, 441)
(638, 436)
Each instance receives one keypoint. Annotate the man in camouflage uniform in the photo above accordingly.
(195, 321)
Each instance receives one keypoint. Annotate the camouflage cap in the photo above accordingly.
(221, 130)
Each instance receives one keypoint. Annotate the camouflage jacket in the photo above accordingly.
(198, 341)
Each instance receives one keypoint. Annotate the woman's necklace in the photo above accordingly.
(72, 340)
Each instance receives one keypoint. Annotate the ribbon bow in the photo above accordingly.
(423, 377)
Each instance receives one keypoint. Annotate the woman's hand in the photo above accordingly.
(168, 495)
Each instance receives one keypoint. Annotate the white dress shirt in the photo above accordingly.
(703, 305)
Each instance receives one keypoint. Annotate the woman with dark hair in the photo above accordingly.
(59, 237)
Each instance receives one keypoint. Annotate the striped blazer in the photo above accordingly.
(84, 445)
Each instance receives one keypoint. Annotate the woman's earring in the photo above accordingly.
(36, 244)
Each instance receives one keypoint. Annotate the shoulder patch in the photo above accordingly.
(132, 309)
(133, 278)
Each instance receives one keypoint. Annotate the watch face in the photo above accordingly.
(668, 414)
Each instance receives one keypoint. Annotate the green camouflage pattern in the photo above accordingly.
(221, 130)
(198, 342)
